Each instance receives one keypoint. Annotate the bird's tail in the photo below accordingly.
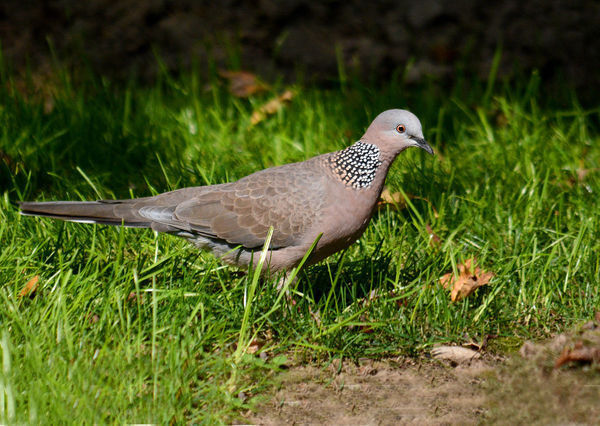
(103, 212)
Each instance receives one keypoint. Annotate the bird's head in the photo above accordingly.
(395, 130)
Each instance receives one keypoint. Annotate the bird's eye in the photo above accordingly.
(400, 128)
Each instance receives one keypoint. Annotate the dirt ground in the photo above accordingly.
(377, 393)
(532, 387)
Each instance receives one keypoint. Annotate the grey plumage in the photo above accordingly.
(332, 194)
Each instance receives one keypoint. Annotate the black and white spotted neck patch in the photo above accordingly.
(356, 165)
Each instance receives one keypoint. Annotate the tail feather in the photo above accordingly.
(85, 212)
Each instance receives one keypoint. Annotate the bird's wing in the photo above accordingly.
(289, 198)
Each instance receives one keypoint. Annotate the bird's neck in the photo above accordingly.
(362, 165)
(386, 158)
(357, 165)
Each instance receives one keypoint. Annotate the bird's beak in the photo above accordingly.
(422, 143)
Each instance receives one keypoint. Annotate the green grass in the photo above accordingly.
(131, 327)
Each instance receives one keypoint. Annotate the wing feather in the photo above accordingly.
(242, 212)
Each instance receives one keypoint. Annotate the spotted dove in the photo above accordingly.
(333, 194)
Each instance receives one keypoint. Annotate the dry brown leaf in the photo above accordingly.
(597, 317)
(30, 288)
(479, 346)
(470, 278)
(579, 178)
(255, 346)
(316, 316)
(579, 353)
(580, 175)
(271, 107)
(434, 240)
(397, 200)
(268, 335)
(456, 354)
(582, 172)
(39, 86)
(243, 83)
(401, 303)
(134, 296)
(367, 370)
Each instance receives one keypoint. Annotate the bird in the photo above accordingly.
(330, 197)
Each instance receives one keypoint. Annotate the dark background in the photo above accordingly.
(292, 38)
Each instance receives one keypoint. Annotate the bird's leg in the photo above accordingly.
(286, 281)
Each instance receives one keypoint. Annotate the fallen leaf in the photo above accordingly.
(597, 317)
(30, 288)
(476, 346)
(456, 354)
(367, 370)
(268, 335)
(397, 200)
(133, 296)
(469, 279)
(402, 303)
(243, 83)
(271, 107)
(579, 353)
(580, 175)
(255, 346)
(434, 240)
(316, 316)
(39, 86)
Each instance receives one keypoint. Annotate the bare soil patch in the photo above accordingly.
(384, 392)
(536, 386)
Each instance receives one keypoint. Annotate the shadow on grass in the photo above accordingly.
(353, 280)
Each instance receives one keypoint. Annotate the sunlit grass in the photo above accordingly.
(131, 327)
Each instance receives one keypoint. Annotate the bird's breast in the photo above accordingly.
(345, 217)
